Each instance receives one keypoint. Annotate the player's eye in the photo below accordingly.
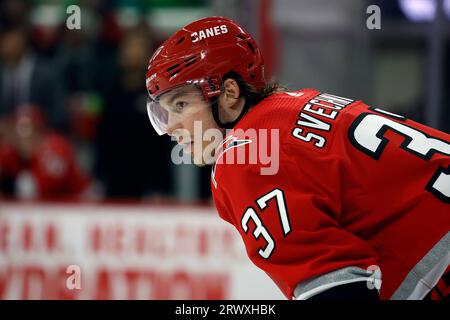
(180, 105)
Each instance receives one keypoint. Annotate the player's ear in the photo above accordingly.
(229, 99)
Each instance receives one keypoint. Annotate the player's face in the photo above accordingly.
(189, 117)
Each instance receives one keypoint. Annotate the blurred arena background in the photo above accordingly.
(84, 179)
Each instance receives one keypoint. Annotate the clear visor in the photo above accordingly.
(158, 116)
(174, 106)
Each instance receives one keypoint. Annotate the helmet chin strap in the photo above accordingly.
(228, 125)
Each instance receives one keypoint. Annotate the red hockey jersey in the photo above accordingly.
(326, 190)
(53, 168)
(56, 171)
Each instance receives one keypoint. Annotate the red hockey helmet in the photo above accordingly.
(201, 53)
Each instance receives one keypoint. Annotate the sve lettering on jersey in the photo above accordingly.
(317, 116)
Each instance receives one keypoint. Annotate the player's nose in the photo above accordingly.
(172, 125)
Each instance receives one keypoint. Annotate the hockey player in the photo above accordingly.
(37, 163)
(351, 202)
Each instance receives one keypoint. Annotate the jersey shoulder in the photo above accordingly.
(306, 118)
(273, 111)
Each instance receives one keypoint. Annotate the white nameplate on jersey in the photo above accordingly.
(317, 115)
(207, 33)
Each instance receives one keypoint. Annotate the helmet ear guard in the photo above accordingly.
(212, 87)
